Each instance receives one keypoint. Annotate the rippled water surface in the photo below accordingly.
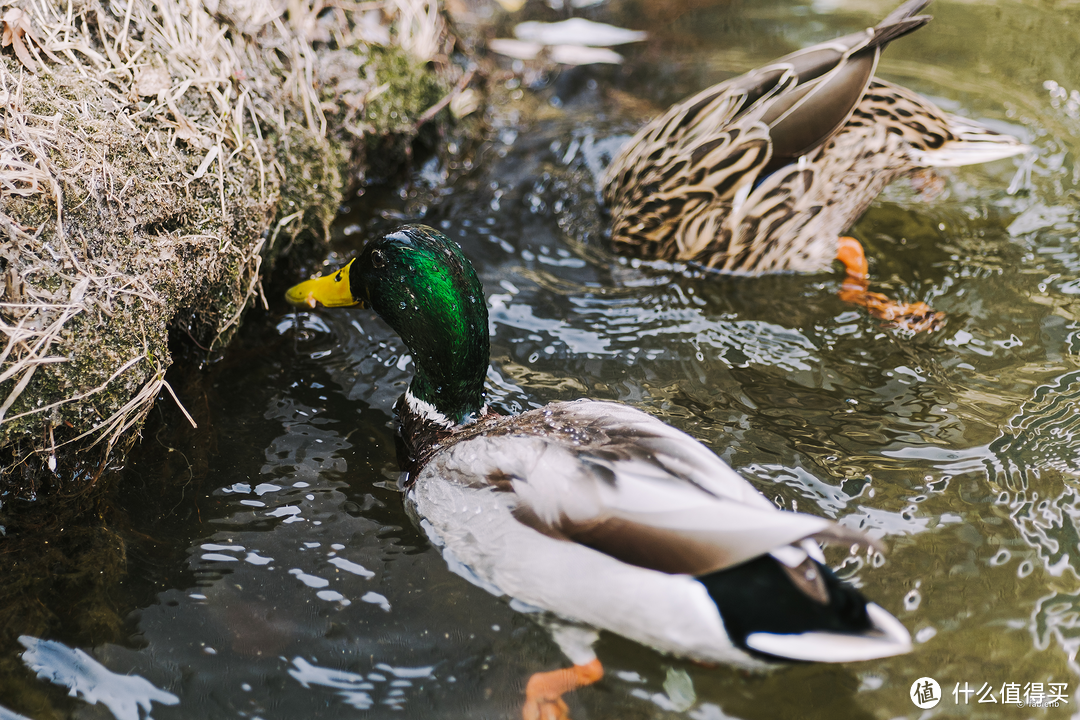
(270, 570)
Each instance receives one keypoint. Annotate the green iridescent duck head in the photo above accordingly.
(424, 287)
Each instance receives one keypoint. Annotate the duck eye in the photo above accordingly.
(378, 260)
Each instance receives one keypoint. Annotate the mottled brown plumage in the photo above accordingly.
(763, 172)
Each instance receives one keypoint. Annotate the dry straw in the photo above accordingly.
(152, 156)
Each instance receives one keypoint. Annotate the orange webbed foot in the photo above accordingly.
(912, 317)
(849, 251)
(543, 694)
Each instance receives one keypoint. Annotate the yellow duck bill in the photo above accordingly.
(331, 290)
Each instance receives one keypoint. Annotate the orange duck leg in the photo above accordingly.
(915, 317)
(543, 694)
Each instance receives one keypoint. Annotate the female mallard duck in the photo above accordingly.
(762, 173)
(602, 516)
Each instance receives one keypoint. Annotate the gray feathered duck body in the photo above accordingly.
(762, 173)
(595, 513)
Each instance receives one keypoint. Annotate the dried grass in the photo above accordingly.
(152, 156)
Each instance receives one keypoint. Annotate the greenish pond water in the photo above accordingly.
(269, 570)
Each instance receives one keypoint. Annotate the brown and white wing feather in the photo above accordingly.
(623, 483)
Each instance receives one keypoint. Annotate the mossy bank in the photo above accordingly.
(155, 160)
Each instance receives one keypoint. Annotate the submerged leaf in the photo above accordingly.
(518, 49)
(581, 55)
(577, 31)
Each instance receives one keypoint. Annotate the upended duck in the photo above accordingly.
(595, 513)
(762, 173)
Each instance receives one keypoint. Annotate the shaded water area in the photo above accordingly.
(268, 567)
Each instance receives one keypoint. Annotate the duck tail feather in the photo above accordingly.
(885, 34)
(955, 153)
(887, 638)
(904, 12)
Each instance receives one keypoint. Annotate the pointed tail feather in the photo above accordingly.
(903, 12)
(887, 638)
(900, 22)
(974, 143)
(885, 34)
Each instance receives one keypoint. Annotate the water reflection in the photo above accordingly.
(358, 689)
(1056, 619)
(123, 695)
(1043, 436)
(301, 571)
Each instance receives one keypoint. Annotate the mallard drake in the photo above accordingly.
(762, 173)
(595, 513)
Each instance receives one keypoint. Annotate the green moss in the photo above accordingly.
(413, 88)
(165, 256)
(312, 183)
